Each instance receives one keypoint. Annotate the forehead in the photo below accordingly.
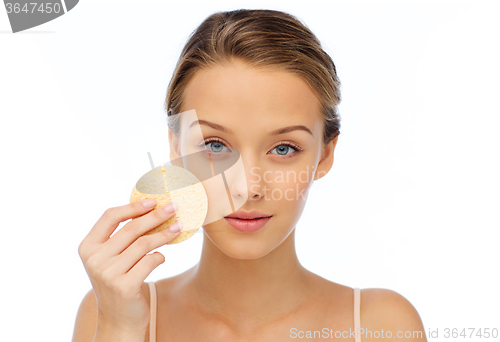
(244, 96)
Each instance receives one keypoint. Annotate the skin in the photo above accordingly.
(251, 286)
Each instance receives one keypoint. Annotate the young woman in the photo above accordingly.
(260, 83)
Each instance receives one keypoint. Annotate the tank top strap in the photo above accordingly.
(152, 315)
(357, 314)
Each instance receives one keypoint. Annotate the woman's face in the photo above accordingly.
(251, 104)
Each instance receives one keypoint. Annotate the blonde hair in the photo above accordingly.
(261, 38)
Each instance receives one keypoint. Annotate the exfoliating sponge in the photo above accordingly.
(169, 184)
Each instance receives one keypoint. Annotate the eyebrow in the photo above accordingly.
(278, 131)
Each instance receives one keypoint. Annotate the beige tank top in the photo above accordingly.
(152, 306)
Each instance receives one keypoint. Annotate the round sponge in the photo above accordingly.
(167, 184)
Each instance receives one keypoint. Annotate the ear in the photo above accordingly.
(326, 161)
(173, 141)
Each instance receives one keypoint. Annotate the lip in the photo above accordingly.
(241, 214)
(247, 221)
(247, 226)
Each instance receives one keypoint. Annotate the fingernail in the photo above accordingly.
(149, 203)
(171, 208)
(177, 226)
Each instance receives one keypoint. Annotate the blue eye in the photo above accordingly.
(215, 144)
(283, 148)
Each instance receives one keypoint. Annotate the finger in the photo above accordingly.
(112, 217)
(145, 266)
(136, 228)
(144, 245)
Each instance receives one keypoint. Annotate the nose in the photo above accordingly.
(251, 183)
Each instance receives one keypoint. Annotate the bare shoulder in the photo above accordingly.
(86, 319)
(385, 312)
(170, 286)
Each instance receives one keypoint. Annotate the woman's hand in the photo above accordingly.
(118, 266)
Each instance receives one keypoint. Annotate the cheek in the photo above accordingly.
(290, 188)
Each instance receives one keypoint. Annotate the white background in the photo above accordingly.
(411, 203)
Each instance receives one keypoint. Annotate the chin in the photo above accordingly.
(243, 246)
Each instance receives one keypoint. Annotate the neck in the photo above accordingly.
(251, 291)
